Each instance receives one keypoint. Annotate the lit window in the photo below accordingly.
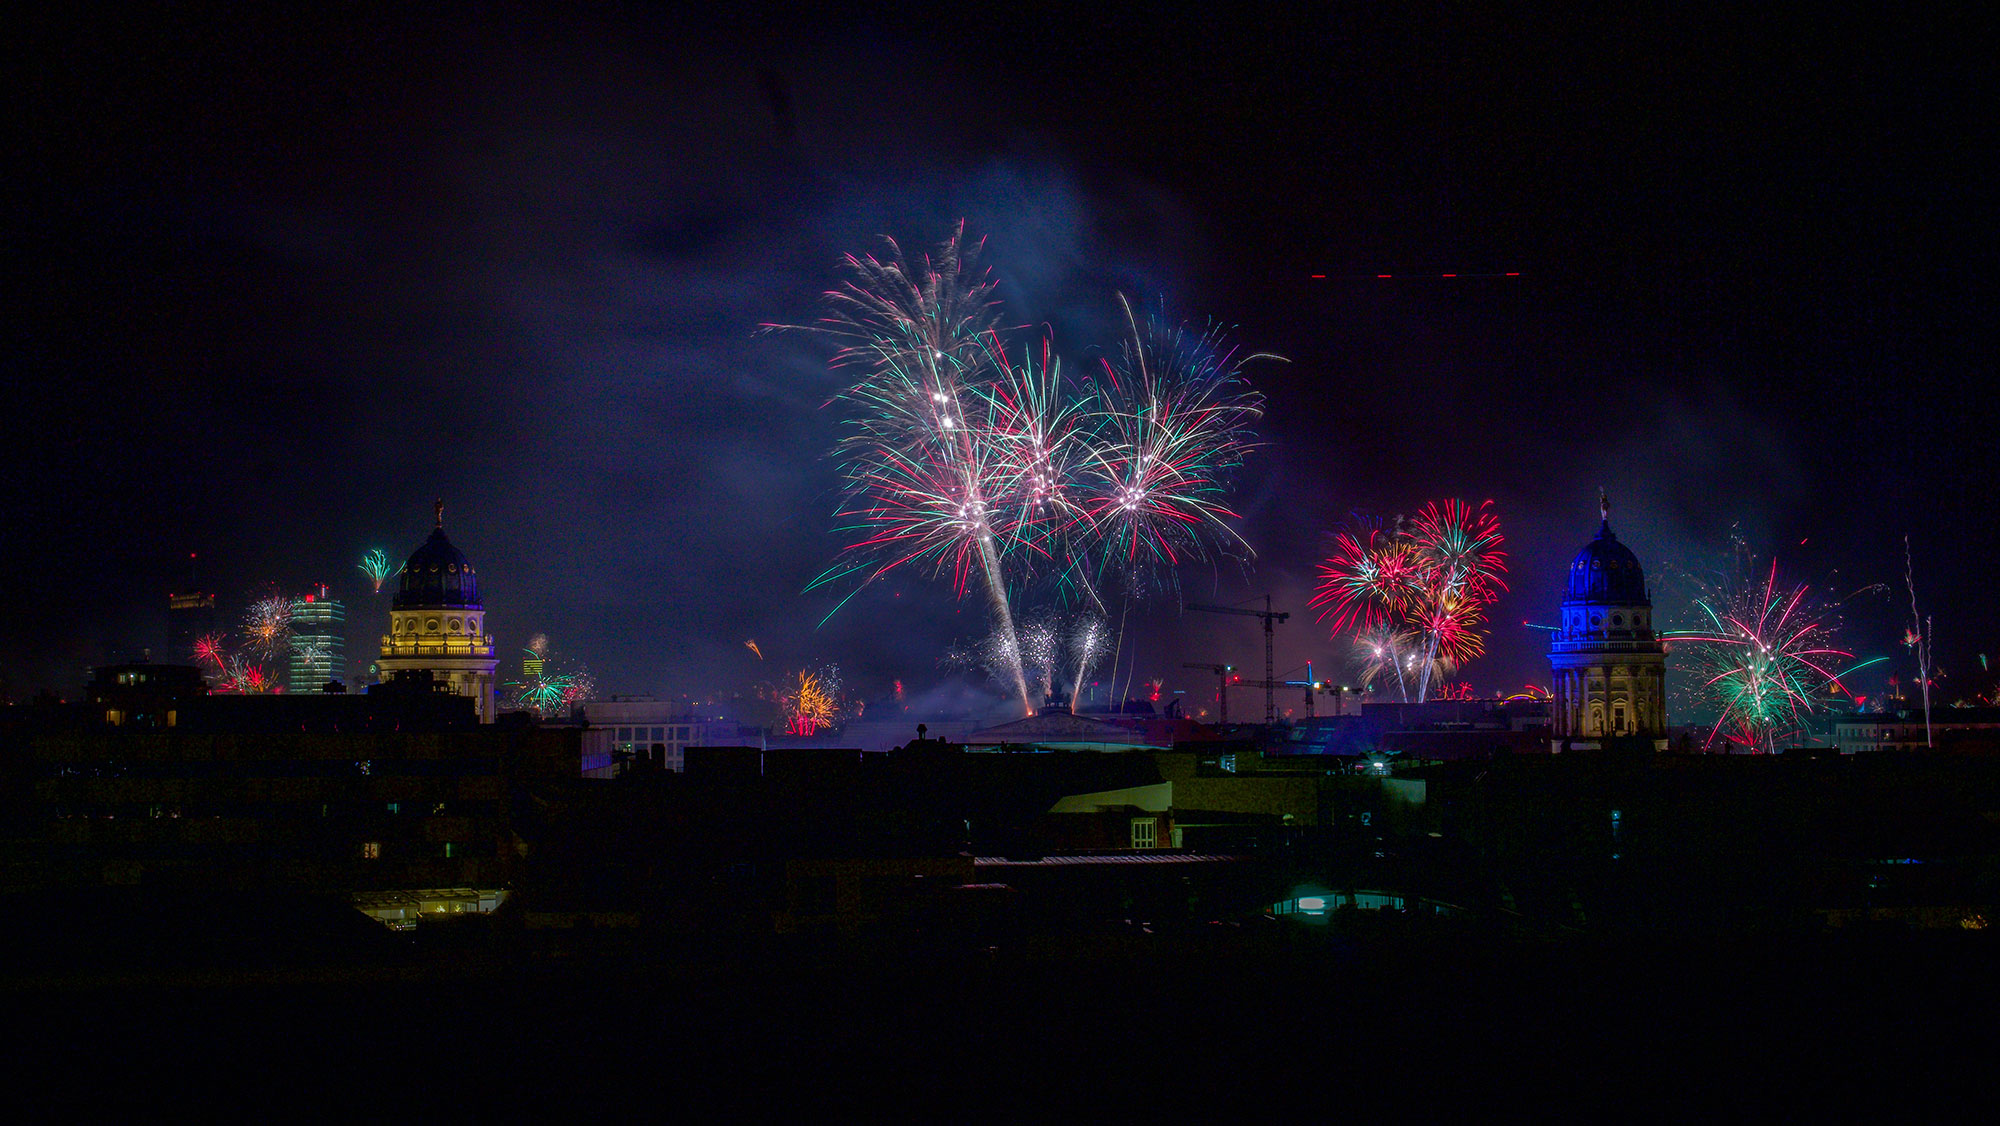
(1145, 832)
(371, 850)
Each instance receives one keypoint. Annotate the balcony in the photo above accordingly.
(423, 645)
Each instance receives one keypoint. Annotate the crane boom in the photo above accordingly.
(1271, 618)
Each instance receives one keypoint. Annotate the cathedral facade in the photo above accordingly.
(437, 623)
(1608, 665)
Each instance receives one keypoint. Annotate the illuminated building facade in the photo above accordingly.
(1609, 667)
(437, 623)
(319, 642)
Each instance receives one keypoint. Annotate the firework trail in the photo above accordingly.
(752, 646)
(961, 459)
(376, 566)
(1918, 638)
(1415, 596)
(1763, 653)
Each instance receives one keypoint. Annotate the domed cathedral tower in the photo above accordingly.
(1609, 667)
(437, 623)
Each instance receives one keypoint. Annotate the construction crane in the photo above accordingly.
(1313, 689)
(1315, 686)
(1221, 689)
(1271, 618)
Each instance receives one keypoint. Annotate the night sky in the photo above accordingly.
(282, 281)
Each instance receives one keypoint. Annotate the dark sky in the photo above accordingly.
(279, 282)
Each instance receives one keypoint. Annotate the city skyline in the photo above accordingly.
(522, 266)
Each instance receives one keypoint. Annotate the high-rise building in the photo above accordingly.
(1609, 666)
(319, 642)
(190, 617)
(437, 623)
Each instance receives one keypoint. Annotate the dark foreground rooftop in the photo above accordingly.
(1378, 1011)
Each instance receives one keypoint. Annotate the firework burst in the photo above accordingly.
(1763, 653)
(963, 457)
(811, 701)
(267, 626)
(550, 685)
(1175, 423)
(1415, 596)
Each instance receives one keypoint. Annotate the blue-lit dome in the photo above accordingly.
(437, 575)
(1607, 571)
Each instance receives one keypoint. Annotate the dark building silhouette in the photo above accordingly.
(190, 617)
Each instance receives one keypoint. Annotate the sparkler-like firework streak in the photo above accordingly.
(1056, 652)
(1415, 597)
(1763, 655)
(1087, 646)
(963, 460)
(376, 566)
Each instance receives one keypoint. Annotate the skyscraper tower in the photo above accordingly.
(190, 617)
(319, 642)
(437, 622)
(1609, 667)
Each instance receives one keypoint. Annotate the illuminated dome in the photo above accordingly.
(437, 575)
(1609, 667)
(1606, 571)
